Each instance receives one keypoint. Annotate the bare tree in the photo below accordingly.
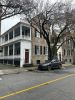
(10, 8)
(58, 17)
(53, 20)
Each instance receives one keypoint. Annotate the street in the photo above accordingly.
(39, 85)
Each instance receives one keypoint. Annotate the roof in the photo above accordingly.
(27, 24)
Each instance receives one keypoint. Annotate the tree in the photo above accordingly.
(10, 8)
(59, 18)
(53, 20)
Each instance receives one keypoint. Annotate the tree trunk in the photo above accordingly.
(49, 52)
(54, 52)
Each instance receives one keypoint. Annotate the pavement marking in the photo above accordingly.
(35, 86)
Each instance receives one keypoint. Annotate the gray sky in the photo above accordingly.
(9, 22)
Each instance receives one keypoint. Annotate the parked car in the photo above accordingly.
(54, 64)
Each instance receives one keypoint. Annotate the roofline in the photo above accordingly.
(14, 26)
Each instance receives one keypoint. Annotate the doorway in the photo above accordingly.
(26, 56)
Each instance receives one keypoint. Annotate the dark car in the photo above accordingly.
(54, 64)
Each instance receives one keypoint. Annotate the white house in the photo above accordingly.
(15, 45)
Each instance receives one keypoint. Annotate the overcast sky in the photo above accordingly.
(9, 22)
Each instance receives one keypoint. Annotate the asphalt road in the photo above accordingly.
(39, 85)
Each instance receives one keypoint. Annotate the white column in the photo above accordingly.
(13, 53)
(21, 55)
(8, 36)
(8, 50)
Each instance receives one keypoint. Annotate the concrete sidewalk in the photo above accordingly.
(16, 70)
(20, 70)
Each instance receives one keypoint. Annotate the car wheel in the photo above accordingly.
(49, 68)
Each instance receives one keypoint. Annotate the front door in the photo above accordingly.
(26, 56)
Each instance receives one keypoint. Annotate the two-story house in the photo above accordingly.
(15, 45)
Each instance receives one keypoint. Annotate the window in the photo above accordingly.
(25, 31)
(17, 31)
(37, 34)
(40, 49)
(68, 52)
(45, 50)
(69, 60)
(11, 50)
(6, 37)
(6, 51)
(66, 60)
(37, 50)
(2, 38)
(17, 48)
(38, 61)
(10, 35)
(1, 50)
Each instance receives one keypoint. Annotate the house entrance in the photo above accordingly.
(26, 56)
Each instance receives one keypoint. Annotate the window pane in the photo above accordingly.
(37, 49)
(45, 50)
(17, 31)
(25, 31)
(11, 50)
(11, 35)
(17, 48)
(6, 51)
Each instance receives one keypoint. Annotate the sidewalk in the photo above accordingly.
(15, 70)
(20, 70)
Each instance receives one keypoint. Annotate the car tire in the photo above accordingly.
(49, 68)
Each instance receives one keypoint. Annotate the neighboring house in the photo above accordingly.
(15, 45)
(39, 48)
(39, 45)
(68, 53)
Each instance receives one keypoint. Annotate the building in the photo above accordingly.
(68, 51)
(15, 45)
(39, 45)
